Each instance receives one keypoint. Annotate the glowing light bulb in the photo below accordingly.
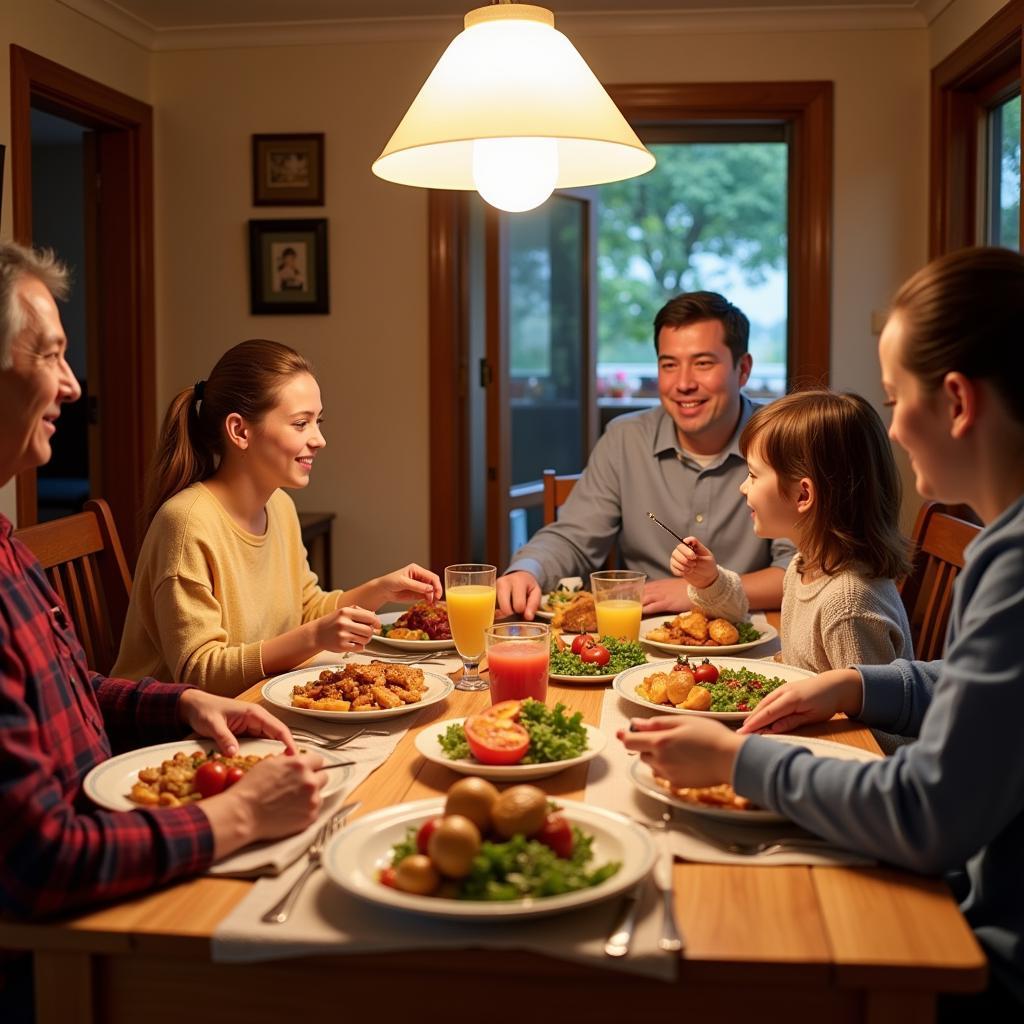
(515, 174)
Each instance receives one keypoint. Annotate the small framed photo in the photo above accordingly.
(288, 266)
(288, 170)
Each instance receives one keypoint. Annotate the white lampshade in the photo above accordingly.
(510, 107)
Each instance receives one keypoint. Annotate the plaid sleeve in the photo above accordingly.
(138, 713)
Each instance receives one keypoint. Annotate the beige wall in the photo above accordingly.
(54, 31)
(960, 20)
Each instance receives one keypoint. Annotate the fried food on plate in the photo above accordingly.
(362, 687)
(722, 795)
(694, 629)
(578, 616)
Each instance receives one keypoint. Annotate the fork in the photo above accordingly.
(752, 849)
(408, 659)
(327, 743)
(281, 911)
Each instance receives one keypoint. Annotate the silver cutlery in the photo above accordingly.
(409, 659)
(281, 911)
(792, 844)
(336, 764)
(671, 937)
(336, 742)
(622, 932)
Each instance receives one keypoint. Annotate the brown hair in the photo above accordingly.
(246, 380)
(964, 312)
(839, 443)
(693, 307)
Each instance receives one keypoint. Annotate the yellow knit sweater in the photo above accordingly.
(207, 593)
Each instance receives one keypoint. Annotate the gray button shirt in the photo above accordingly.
(637, 467)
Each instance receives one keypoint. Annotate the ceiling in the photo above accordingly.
(157, 15)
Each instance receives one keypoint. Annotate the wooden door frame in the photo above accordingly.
(806, 108)
(961, 95)
(41, 83)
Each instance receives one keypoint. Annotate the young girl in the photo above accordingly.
(953, 801)
(821, 473)
(223, 595)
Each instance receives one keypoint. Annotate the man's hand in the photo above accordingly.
(667, 595)
(519, 593)
(688, 751)
(222, 719)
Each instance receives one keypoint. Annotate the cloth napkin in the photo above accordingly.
(610, 785)
(368, 753)
(327, 920)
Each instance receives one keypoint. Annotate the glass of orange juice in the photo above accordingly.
(469, 592)
(619, 599)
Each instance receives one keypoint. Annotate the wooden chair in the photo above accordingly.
(85, 564)
(927, 593)
(556, 490)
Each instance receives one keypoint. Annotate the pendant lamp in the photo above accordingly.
(513, 111)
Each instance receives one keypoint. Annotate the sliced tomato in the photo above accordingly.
(507, 710)
(595, 654)
(495, 739)
(556, 832)
(580, 642)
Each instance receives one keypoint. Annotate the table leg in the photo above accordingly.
(63, 987)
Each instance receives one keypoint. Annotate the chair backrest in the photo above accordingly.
(85, 564)
(556, 490)
(927, 593)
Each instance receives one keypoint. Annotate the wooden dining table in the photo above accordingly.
(766, 944)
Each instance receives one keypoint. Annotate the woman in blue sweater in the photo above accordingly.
(953, 801)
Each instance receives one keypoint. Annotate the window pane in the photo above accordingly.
(546, 336)
(1004, 207)
(710, 216)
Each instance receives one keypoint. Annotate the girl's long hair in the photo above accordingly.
(246, 380)
(838, 442)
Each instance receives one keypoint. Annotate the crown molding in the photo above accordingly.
(784, 18)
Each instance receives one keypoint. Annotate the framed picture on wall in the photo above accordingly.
(288, 170)
(288, 266)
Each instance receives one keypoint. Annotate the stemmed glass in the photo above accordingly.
(469, 592)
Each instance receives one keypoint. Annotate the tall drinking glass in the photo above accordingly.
(517, 660)
(619, 600)
(470, 594)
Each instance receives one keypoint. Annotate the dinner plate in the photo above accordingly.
(110, 782)
(625, 683)
(428, 744)
(768, 633)
(354, 857)
(409, 645)
(278, 691)
(643, 779)
(604, 677)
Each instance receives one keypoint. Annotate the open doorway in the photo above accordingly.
(107, 238)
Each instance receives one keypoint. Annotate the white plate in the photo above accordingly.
(110, 782)
(278, 691)
(643, 779)
(768, 633)
(409, 645)
(625, 683)
(429, 746)
(357, 853)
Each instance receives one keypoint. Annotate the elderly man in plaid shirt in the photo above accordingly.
(58, 719)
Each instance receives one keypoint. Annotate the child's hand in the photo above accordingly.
(694, 563)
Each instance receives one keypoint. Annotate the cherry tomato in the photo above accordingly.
(556, 832)
(595, 654)
(580, 642)
(425, 832)
(211, 778)
(496, 740)
(705, 673)
(387, 877)
(233, 775)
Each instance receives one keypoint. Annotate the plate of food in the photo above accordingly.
(555, 599)
(727, 689)
(584, 658)
(422, 627)
(577, 615)
(694, 632)
(722, 801)
(357, 688)
(512, 741)
(182, 772)
(480, 855)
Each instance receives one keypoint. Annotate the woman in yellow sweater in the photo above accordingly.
(223, 594)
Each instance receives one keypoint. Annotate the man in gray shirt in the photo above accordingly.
(680, 461)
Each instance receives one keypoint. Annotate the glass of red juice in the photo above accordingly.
(518, 654)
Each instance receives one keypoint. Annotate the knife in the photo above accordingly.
(622, 933)
(671, 940)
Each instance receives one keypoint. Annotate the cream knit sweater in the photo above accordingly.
(829, 622)
(207, 593)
